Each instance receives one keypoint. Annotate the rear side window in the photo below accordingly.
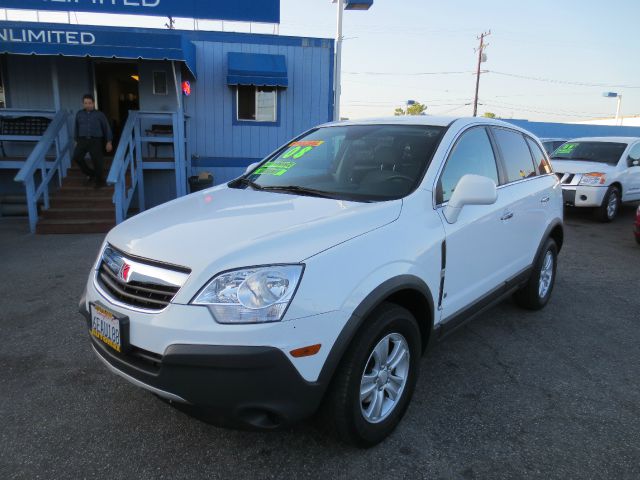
(539, 158)
(634, 154)
(473, 154)
(516, 155)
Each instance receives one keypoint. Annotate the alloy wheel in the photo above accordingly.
(546, 275)
(384, 378)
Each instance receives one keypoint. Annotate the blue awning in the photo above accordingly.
(257, 69)
(88, 41)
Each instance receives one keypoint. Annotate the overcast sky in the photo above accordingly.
(571, 50)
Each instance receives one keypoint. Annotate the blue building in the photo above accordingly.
(179, 102)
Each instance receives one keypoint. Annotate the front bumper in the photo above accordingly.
(240, 386)
(583, 196)
(246, 386)
(235, 375)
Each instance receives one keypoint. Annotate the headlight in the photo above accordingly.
(251, 295)
(593, 179)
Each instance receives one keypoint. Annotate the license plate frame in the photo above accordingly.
(108, 328)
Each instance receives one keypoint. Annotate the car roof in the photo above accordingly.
(606, 139)
(435, 121)
(552, 139)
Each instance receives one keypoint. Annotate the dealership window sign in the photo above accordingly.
(267, 11)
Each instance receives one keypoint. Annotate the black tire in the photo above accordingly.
(529, 296)
(342, 409)
(602, 213)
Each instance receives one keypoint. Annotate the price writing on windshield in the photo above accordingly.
(299, 149)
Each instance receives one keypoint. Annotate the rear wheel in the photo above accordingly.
(610, 205)
(373, 385)
(537, 292)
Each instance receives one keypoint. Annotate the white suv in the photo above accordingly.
(319, 278)
(599, 172)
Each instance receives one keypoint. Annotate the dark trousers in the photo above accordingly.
(94, 147)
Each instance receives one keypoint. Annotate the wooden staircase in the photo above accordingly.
(76, 208)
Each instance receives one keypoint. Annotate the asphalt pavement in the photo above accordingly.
(514, 394)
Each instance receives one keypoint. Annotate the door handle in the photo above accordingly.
(507, 216)
(544, 199)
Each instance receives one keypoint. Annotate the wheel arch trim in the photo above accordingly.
(375, 298)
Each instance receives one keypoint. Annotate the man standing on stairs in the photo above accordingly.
(91, 132)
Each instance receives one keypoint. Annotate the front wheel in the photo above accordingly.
(610, 205)
(537, 292)
(374, 383)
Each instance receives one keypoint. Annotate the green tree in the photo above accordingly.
(489, 115)
(415, 109)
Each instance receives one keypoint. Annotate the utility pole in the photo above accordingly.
(480, 60)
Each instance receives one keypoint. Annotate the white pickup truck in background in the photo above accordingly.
(599, 172)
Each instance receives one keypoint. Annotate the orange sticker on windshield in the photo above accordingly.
(307, 143)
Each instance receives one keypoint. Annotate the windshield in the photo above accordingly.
(601, 152)
(355, 162)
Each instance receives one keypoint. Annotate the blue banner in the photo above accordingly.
(267, 11)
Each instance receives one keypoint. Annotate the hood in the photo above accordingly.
(224, 228)
(572, 166)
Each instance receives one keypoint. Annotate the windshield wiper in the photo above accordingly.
(312, 192)
(244, 181)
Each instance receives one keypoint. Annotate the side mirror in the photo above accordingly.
(251, 167)
(470, 190)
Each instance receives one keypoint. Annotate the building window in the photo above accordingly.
(257, 104)
(160, 83)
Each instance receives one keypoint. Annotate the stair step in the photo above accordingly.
(47, 227)
(81, 202)
(78, 181)
(80, 213)
(13, 210)
(84, 191)
(13, 200)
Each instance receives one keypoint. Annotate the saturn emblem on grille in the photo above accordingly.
(125, 272)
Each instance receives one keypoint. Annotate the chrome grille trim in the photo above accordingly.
(136, 284)
(568, 178)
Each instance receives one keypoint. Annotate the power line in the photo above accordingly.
(534, 110)
(563, 82)
(506, 74)
(408, 74)
(559, 110)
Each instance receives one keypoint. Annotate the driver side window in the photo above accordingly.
(473, 154)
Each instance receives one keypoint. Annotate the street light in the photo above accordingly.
(619, 97)
(343, 5)
(409, 103)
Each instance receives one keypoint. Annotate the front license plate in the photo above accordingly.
(106, 327)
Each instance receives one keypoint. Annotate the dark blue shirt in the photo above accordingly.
(92, 124)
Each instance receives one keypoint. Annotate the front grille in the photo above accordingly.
(144, 295)
(136, 283)
(565, 178)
